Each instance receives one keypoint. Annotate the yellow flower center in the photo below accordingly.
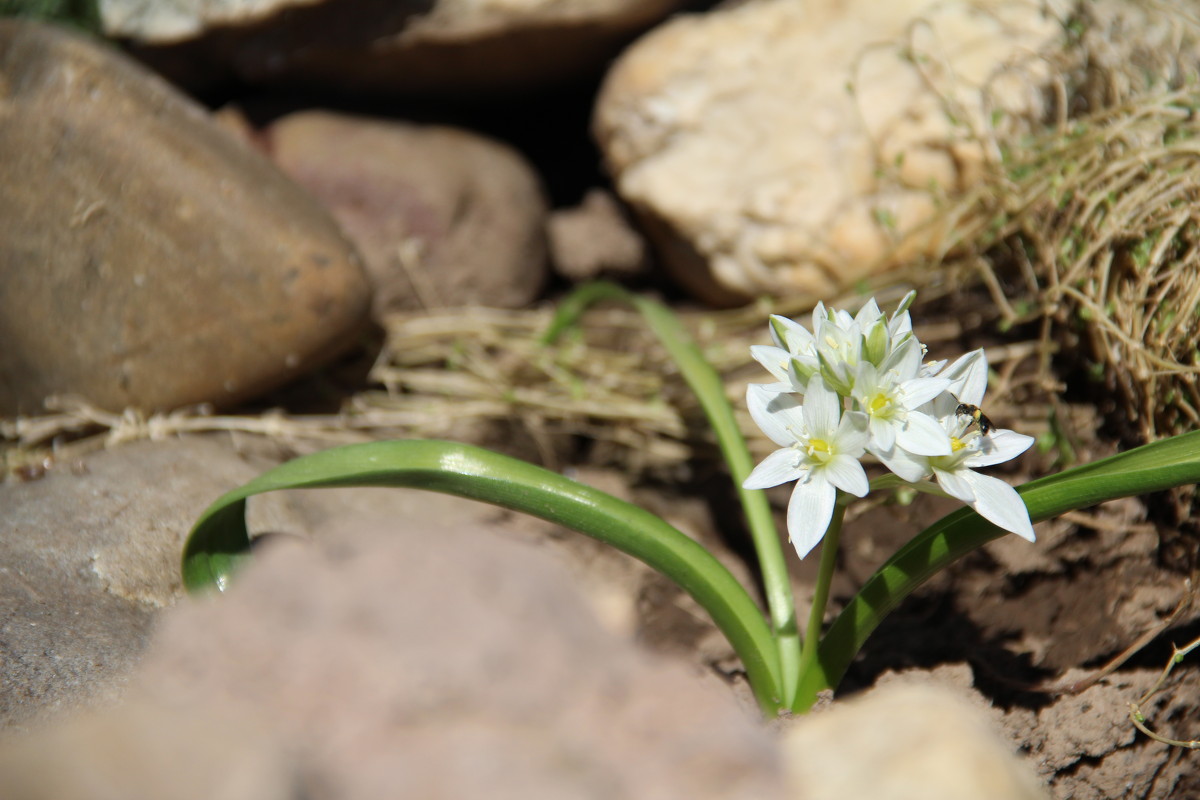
(878, 403)
(956, 444)
(820, 449)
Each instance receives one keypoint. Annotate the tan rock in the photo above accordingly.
(442, 217)
(431, 46)
(147, 258)
(751, 139)
(903, 742)
(137, 754)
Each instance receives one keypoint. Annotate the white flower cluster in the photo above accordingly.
(857, 385)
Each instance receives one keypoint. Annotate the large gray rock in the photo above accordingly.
(428, 46)
(90, 555)
(442, 217)
(87, 559)
(147, 257)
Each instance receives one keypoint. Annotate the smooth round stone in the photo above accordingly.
(147, 257)
(442, 216)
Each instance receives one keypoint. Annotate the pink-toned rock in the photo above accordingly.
(442, 217)
(437, 661)
(148, 258)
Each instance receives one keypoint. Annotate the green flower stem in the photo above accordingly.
(710, 391)
(816, 616)
(1151, 468)
(219, 540)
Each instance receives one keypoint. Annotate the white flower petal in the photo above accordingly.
(790, 335)
(820, 318)
(955, 484)
(775, 359)
(919, 391)
(968, 377)
(809, 513)
(944, 408)
(800, 372)
(900, 326)
(846, 473)
(905, 465)
(852, 434)
(779, 326)
(868, 313)
(883, 434)
(822, 410)
(932, 368)
(777, 414)
(905, 303)
(960, 365)
(999, 503)
(876, 344)
(904, 361)
(923, 435)
(866, 379)
(779, 467)
(999, 446)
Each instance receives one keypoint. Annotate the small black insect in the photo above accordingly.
(986, 426)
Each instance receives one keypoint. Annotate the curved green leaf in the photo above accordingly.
(1153, 467)
(219, 539)
(709, 389)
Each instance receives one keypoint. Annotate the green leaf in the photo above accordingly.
(1151, 468)
(709, 389)
(219, 540)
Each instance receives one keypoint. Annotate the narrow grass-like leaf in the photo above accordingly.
(1153, 467)
(706, 384)
(219, 539)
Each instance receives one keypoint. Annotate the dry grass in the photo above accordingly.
(1096, 232)
(1088, 222)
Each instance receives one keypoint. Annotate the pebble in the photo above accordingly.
(595, 240)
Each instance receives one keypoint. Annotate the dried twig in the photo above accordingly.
(1135, 709)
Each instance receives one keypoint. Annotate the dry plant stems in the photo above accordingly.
(780, 677)
(1135, 709)
(443, 372)
(1084, 206)
(1089, 219)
